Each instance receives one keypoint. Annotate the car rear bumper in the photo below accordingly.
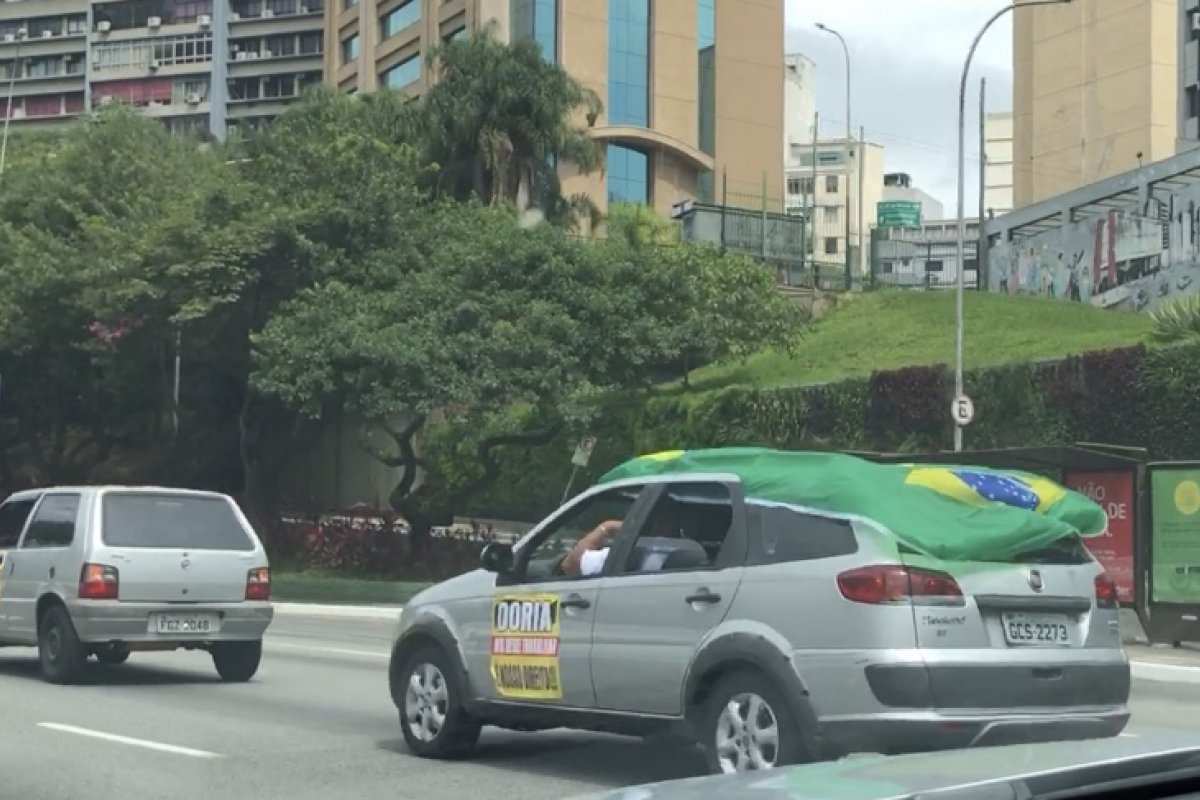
(908, 732)
(100, 621)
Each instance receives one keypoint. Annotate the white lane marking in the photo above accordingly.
(113, 737)
(1129, 735)
(340, 651)
(376, 613)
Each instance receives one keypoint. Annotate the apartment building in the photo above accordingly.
(692, 89)
(202, 66)
(1096, 91)
(998, 163)
(834, 179)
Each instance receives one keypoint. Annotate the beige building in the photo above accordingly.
(1095, 92)
(998, 171)
(692, 89)
(824, 191)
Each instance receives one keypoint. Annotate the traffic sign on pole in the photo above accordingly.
(583, 451)
(962, 410)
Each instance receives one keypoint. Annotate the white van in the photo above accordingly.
(107, 570)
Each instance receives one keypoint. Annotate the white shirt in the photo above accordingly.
(592, 562)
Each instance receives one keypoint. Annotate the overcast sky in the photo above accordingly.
(906, 58)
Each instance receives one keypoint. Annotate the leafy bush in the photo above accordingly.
(1129, 396)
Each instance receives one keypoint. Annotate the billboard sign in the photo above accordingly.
(1175, 534)
(898, 214)
(1112, 491)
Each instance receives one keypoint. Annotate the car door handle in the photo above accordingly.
(702, 596)
(576, 601)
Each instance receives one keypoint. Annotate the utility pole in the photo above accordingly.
(22, 34)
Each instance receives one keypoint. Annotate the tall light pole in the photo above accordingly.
(962, 223)
(849, 140)
(12, 81)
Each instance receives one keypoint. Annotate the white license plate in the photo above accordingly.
(185, 623)
(1037, 630)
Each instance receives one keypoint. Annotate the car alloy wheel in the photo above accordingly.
(426, 702)
(747, 734)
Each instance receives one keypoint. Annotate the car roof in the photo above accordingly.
(25, 494)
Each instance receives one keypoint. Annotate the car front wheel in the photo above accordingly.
(432, 717)
(747, 725)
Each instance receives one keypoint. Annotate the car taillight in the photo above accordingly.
(893, 584)
(1106, 591)
(98, 582)
(258, 584)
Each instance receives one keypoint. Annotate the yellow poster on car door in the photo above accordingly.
(524, 648)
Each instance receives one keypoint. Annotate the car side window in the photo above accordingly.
(541, 563)
(685, 530)
(779, 534)
(53, 523)
(13, 515)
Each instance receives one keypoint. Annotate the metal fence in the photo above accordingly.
(922, 258)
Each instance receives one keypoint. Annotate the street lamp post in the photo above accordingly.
(12, 81)
(849, 140)
(962, 223)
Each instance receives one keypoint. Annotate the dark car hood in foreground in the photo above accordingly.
(989, 772)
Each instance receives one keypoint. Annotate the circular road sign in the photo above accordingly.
(963, 410)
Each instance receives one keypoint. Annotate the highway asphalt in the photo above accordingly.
(316, 722)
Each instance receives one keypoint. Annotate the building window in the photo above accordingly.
(628, 175)
(349, 3)
(831, 184)
(793, 186)
(404, 73)
(831, 245)
(456, 34)
(350, 49)
(829, 215)
(1193, 101)
(537, 20)
(706, 45)
(629, 62)
(399, 18)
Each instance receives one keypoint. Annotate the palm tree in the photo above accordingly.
(1177, 320)
(498, 120)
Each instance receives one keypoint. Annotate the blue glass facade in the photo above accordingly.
(537, 20)
(400, 18)
(706, 45)
(628, 173)
(629, 62)
(404, 73)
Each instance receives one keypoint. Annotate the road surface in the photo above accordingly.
(317, 722)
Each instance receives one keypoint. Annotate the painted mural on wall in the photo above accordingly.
(1124, 259)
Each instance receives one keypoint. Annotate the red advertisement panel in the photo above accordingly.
(1112, 491)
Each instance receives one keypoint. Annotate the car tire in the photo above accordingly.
(433, 720)
(61, 655)
(236, 662)
(735, 723)
(112, 654)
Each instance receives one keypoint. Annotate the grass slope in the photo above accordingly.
(887, 330)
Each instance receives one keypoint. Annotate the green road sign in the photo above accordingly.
(898, 214)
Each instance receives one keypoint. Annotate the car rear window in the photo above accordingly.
(171, 521)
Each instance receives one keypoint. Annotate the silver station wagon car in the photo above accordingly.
(105, 571)
(766, 632)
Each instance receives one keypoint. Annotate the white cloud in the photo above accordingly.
(906, 60)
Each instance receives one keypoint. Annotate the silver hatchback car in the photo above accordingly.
(768, 633)
(108, 570)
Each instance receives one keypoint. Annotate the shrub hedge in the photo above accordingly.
(1131, 396)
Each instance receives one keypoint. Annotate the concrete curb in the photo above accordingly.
(1164, 673)
(386, 613)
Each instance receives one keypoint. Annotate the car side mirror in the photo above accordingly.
(497, 557)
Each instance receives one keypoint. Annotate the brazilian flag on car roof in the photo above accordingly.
(957, 513)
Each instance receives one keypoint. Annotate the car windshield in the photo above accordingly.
(541, 398)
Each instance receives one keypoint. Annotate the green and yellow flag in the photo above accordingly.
(956, 513)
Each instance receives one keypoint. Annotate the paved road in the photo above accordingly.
(317, 723)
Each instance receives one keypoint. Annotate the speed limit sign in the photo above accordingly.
(962, 410)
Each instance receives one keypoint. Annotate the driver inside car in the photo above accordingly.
(587, 558)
